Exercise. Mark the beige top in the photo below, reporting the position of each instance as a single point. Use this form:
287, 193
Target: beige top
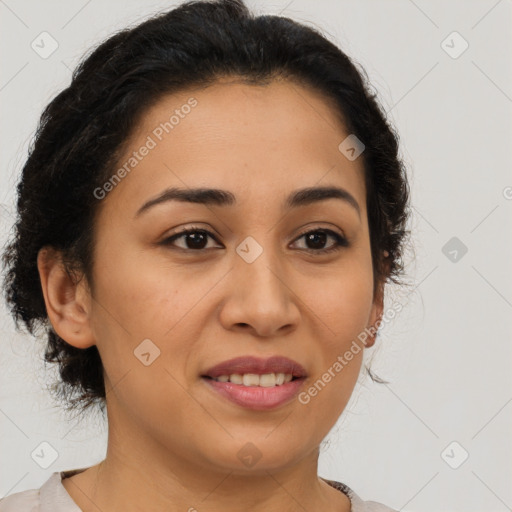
53, 497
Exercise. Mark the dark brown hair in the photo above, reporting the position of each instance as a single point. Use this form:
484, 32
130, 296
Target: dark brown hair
82, 130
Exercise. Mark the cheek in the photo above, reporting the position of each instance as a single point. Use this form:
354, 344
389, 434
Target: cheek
142, 298
342, 313
341, 306
145, 338
145, 295
340, 301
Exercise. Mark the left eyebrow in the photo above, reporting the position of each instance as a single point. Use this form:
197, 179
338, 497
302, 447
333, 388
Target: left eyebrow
218, 197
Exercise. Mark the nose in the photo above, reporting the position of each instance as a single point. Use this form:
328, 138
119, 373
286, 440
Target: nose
260, 298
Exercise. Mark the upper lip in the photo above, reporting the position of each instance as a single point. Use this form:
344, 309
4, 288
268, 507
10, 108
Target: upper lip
256, 365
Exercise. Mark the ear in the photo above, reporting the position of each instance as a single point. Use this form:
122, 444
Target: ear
67, 302
375, 319
377, 310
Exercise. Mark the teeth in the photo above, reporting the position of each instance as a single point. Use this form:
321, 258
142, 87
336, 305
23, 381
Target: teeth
236, 378
266, 380
250, 379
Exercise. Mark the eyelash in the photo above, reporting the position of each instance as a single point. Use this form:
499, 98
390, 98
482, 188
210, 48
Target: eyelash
341, 241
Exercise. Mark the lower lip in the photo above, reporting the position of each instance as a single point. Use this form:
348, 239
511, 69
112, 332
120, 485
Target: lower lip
256, 397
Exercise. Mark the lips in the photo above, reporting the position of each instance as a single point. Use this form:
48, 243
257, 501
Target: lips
258, 366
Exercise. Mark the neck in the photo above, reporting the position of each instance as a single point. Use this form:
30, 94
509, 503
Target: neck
139, 473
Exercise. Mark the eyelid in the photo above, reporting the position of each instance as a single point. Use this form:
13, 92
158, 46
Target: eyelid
308, 229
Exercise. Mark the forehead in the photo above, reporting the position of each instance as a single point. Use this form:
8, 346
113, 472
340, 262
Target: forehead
256, 140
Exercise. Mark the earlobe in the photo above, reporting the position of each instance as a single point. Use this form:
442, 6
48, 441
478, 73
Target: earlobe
67, 302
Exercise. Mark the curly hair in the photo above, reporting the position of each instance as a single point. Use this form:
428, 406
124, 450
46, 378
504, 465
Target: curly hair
83, 130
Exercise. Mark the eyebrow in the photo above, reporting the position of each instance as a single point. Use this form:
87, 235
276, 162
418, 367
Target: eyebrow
218, 197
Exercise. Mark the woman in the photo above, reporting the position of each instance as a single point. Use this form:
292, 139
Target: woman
206, 223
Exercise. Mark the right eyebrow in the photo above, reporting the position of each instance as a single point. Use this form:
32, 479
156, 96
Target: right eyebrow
195, 195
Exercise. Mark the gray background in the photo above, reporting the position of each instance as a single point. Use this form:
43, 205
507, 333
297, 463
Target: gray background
448, 353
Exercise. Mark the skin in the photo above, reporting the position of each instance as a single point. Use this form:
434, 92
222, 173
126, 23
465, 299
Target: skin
173, 442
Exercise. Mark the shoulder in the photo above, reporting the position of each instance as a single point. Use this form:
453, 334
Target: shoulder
26, 501
357, 504
50, 497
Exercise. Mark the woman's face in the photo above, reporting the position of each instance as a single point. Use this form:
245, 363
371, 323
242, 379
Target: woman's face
166, 310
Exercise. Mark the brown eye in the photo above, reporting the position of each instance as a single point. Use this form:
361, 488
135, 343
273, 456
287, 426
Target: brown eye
193, 239
316, 240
